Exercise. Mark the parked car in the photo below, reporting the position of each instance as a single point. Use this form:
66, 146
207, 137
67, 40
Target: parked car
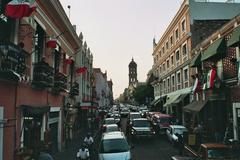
114, 145
111, 128
161, 122
141, 127
172, 132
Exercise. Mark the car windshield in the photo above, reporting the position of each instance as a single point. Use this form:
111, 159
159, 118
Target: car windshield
133, 116
141, 123
114, 146
179, 130
109, 121
112, 129
217, 153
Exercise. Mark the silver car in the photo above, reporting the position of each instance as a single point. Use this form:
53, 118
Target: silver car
141, 127
172, 132
114, 146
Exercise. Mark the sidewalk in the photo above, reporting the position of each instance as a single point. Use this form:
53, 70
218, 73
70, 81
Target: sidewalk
70, 152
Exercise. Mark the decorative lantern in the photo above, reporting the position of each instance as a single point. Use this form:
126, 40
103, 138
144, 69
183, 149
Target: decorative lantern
81, 70
52, 43
19, 9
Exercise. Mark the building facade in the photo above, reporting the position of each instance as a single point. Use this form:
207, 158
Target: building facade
103, 90
193, 22
40, 80
216, 93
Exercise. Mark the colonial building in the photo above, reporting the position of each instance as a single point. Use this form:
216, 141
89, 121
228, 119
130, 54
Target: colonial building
193, 22
102, 91
40, 61
216, 90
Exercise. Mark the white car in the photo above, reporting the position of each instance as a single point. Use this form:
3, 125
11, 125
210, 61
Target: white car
172, 132
111, 128
114, 146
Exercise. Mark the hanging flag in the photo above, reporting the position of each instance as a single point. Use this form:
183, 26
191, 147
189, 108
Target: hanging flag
52, 43
196, 86
211, 77
19, 9
81, 70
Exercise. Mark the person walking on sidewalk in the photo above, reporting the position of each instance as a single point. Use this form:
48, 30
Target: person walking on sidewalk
83, 153
88, 140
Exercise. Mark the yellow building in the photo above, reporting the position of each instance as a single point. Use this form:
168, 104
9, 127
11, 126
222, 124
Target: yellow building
193, 22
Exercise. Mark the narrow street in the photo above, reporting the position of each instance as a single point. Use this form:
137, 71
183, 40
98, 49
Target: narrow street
157, 148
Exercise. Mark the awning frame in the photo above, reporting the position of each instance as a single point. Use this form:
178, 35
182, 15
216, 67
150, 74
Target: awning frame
195, 106
217, 48
234, 40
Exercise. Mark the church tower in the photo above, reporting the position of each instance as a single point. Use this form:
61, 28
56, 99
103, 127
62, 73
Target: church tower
132, 73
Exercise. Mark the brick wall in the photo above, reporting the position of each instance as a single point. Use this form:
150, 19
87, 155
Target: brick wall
201, 29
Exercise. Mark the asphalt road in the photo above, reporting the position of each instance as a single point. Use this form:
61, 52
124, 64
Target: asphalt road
156, 148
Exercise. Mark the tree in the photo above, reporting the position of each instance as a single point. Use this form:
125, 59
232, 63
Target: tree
142, 93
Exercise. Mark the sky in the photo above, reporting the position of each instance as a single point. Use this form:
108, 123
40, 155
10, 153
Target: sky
118, 30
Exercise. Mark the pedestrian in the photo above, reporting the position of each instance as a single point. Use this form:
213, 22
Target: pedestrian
198, 131
44, 153
83, 153
88, 140
180, 144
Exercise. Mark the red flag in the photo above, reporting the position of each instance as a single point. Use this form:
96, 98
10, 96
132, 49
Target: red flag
81, 70
16, 9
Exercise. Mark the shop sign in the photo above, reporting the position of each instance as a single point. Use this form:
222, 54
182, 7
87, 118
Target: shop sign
191, 139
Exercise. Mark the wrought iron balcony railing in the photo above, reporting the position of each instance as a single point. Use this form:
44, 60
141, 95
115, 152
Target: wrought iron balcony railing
42, 75
74, 91
12, 60
60, 82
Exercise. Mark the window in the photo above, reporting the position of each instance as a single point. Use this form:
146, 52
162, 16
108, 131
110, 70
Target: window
160, 69
184, 49
173, 80
172, 60
185, 74
167, 64
171, 40
178, 77
160, 52
163, 50
167, 45
164, 67
176, 34
177, 56
57, 60
183, 25
168, 82
39, 44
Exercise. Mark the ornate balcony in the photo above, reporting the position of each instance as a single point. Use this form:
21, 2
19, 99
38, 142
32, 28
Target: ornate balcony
12, 61
74, 91
42, 75
60, 82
